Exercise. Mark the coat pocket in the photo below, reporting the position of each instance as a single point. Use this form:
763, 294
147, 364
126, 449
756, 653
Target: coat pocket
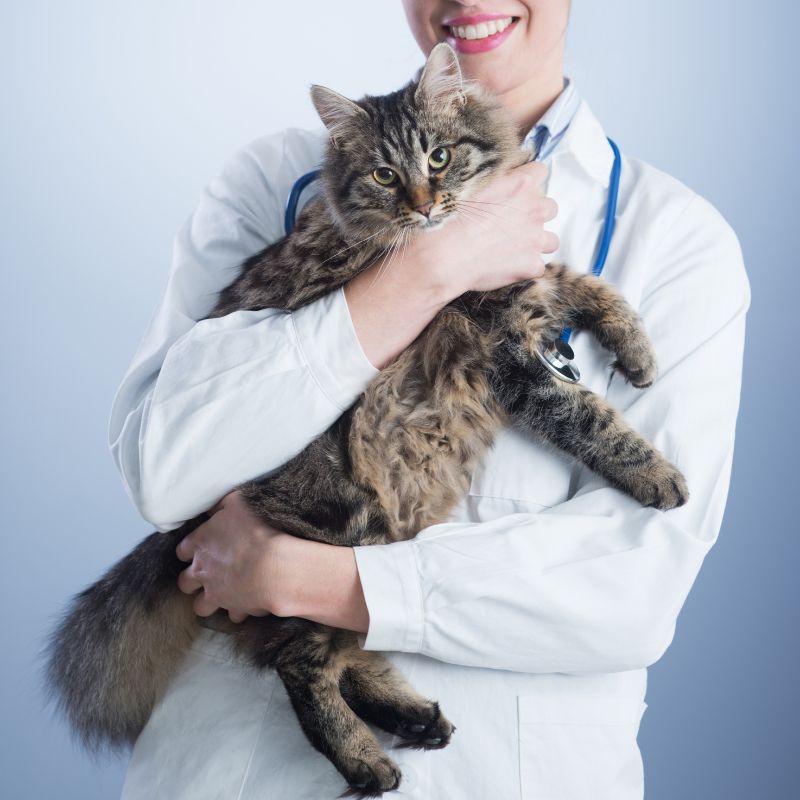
524, 469
580, 748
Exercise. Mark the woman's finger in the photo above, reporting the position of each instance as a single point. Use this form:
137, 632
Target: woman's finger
185, 548
550, 242
216, 507
204, 607
549, 209
188, 583
237, 616
220, 504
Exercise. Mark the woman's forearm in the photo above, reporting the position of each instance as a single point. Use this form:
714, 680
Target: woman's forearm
248, 567
323, 585
390, 304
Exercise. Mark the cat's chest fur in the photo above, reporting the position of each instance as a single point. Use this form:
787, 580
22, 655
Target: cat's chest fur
425, 421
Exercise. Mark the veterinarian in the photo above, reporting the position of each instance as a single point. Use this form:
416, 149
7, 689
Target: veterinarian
533, 614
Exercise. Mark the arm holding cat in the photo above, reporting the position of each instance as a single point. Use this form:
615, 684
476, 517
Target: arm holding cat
209, 404
596, 583
184, 425
593, 584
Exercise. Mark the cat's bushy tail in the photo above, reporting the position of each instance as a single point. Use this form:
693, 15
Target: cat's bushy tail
120, 642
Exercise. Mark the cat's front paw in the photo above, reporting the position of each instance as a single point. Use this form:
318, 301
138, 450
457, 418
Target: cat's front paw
662, 486
370, 775
637, 365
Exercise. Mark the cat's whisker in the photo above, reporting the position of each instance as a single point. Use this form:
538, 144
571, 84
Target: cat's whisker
470, 213
406, 239
388, 260
384, 251
401, 246
477, 206
381, 254
396, 255
356, 244
484, 203
406, 236
462, 205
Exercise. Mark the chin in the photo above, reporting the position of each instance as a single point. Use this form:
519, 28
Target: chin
433, 224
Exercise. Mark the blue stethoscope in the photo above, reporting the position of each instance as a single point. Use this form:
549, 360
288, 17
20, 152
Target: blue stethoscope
559, 356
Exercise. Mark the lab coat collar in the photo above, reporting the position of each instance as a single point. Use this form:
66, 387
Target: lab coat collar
585, 142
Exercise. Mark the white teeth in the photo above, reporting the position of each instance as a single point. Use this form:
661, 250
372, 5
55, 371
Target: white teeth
482, 29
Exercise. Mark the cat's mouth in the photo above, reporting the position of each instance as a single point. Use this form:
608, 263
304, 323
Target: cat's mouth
432, 224
425, 224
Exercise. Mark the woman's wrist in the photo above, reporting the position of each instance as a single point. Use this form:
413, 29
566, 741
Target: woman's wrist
392, 302
318, 582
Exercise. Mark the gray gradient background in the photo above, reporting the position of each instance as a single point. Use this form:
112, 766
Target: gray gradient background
115, 115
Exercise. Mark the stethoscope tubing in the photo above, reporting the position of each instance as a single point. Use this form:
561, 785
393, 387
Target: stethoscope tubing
610, 222
290, 214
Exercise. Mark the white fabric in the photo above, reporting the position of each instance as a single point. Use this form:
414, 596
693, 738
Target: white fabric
532, 614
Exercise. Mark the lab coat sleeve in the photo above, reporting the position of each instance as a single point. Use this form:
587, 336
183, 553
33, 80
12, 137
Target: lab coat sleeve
209, 404
594, 584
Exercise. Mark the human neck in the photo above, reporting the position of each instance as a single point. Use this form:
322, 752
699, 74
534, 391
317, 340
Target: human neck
528, 101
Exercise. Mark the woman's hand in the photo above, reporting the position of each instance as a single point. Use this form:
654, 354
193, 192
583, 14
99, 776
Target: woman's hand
241, 564
234, 556
497, 237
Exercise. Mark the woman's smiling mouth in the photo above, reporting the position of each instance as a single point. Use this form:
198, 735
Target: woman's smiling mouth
479, 33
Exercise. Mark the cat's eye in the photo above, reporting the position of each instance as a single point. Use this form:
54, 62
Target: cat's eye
385, 176
439, 158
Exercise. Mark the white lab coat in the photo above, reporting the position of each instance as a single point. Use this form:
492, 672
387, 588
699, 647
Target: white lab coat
532, 614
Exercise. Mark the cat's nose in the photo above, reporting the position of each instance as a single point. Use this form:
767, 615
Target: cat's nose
425, 208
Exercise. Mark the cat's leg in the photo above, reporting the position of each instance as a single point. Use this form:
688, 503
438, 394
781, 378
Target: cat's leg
334, 729
308, 663
585, 302
379, 693
583, 424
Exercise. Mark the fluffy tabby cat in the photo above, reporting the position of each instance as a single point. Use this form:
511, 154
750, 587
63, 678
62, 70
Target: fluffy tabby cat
399, 458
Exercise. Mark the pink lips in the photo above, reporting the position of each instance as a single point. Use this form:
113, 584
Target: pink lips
477, 45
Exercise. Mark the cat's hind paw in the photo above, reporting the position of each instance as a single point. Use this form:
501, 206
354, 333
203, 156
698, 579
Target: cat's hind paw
430, 730
369, 776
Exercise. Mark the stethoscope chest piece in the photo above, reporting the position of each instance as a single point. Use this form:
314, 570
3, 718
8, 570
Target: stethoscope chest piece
558, 357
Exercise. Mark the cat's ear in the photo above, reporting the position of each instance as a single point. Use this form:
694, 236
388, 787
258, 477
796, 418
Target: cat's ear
337, 112
441, 79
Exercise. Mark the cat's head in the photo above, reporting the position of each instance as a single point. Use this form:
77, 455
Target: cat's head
404, 161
